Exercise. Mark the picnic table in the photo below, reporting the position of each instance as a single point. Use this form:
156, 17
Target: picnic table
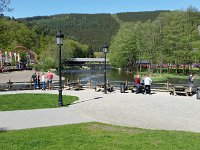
100, 87
181, 90
73, 86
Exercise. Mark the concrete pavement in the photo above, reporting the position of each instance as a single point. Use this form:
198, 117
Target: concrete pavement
156, 111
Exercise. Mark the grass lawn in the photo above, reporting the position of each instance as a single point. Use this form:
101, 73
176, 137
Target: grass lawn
32, 101
163, 77
97, 136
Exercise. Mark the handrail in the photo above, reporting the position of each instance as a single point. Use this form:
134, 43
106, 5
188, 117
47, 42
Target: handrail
29, 85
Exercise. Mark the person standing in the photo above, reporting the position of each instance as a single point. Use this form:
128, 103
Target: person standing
137, 83
34, 79
191, 82
50, 78
147, 84
38, 80
43, 82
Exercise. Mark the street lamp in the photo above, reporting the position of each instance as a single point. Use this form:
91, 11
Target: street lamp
59, 38
105, 50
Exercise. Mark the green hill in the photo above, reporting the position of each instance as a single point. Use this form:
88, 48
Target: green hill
139, 16
91, 29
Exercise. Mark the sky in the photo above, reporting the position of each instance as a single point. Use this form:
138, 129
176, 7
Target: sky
30, 8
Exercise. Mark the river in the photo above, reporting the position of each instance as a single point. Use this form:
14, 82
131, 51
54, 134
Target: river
96, 75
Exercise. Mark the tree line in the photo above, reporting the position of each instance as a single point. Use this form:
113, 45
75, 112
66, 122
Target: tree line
171, 39
160, 37
14, 33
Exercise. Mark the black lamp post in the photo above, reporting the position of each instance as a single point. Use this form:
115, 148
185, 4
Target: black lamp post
105, 50
59, 38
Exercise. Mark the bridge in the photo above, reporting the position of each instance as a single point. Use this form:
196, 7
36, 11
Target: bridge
84, 61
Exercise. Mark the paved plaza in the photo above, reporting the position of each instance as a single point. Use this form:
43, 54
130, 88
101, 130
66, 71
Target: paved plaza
157, 111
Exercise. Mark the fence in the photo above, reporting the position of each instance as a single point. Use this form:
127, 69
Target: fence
29, 85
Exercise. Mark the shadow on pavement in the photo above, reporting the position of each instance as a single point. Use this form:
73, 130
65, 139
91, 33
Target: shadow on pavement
86, 100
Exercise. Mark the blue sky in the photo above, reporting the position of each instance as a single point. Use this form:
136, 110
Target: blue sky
29, 8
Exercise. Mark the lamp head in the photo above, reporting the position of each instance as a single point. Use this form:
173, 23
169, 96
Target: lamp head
105, 48
59, 38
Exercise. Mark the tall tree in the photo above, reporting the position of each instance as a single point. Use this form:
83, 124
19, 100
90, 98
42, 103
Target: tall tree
4, 6
123, 52
172, 38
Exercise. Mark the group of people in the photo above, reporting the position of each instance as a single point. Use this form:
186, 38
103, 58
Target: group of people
46, 80
143, 86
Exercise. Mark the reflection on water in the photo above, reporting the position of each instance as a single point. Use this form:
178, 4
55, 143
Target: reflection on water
96, 75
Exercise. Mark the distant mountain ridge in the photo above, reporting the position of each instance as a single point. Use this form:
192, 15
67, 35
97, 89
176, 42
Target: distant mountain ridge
91, 29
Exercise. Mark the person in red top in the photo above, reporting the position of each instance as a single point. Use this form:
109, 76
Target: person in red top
137, 83
50, 78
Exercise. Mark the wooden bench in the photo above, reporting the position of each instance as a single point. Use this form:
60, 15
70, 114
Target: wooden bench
180, 90
100, 87
73, 86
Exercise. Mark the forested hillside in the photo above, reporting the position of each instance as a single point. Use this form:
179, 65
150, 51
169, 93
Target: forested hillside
139, 16
91, 29
170, 38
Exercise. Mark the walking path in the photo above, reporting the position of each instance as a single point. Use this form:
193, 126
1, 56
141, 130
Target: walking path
19, 76
156, 111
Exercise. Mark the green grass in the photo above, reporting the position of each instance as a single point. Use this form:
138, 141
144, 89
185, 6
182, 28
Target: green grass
97, 136
32, 101
163, 77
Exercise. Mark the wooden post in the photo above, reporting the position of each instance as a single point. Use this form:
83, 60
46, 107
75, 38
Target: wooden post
90, 84
126, 84
30, 84
167, 85
78, 81
9, 84
66, 85
67, 81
